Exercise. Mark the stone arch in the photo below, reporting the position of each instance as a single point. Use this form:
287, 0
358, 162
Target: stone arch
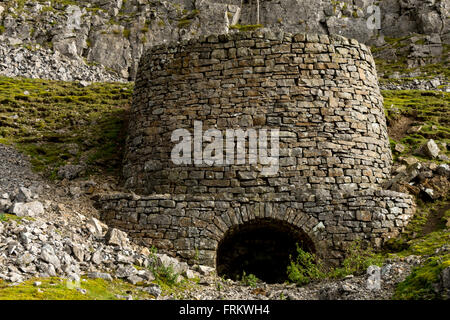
261, 246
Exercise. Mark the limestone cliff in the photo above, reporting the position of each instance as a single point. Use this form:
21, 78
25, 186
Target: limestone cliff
115, 33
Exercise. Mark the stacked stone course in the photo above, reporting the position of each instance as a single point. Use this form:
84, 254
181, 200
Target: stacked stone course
320, 91
192, 226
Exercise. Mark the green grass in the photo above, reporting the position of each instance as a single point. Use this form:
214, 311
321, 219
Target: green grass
419, 284
126, 33
184, 23
307, 267
304, 268
58, 289
5, 217
399, 63
41, 118
246, 27
431, 109
249, 280
424, 105
357, 259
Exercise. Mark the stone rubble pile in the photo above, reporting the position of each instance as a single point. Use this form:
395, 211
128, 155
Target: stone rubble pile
358, 287
42, 236
433, 84
426, 180
39, 247
18, 61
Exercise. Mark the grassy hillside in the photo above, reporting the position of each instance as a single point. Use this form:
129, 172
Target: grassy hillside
58, 123
392, 60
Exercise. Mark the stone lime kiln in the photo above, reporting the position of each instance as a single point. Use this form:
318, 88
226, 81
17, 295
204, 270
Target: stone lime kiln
320, 94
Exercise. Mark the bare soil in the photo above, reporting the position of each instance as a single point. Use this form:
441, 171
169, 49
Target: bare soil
399, 127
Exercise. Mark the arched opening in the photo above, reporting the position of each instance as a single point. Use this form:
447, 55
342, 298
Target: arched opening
261, 247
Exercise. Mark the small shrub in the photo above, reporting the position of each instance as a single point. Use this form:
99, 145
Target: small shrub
249, 280
305, 268
396, 245
357, 260
164, 276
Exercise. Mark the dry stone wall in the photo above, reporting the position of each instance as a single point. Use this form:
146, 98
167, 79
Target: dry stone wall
192, 226
319, 91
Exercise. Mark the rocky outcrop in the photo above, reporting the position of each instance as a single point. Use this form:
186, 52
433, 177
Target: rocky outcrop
41, 63
111, 33
116, 33
426, 180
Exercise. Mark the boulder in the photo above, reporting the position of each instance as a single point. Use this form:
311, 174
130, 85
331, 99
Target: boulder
189, 274
429, 149
399, 148
154, 290
134, 279
205, 270
166, 261
445, 276
147, 275
116, 237
5, 204
48, 255
99, 275
125, 271
78, 252
31, 209
25, 259
404, 176
97, 257
24, 195
96, 227
430, 22
70, 171
443, 170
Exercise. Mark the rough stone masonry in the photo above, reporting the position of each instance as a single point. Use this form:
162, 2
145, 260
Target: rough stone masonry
320, 91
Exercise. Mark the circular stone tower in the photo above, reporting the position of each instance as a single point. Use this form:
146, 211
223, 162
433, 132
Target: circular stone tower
319, 92
240, 146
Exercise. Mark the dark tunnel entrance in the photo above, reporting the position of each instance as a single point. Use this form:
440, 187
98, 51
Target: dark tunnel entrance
262, 248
